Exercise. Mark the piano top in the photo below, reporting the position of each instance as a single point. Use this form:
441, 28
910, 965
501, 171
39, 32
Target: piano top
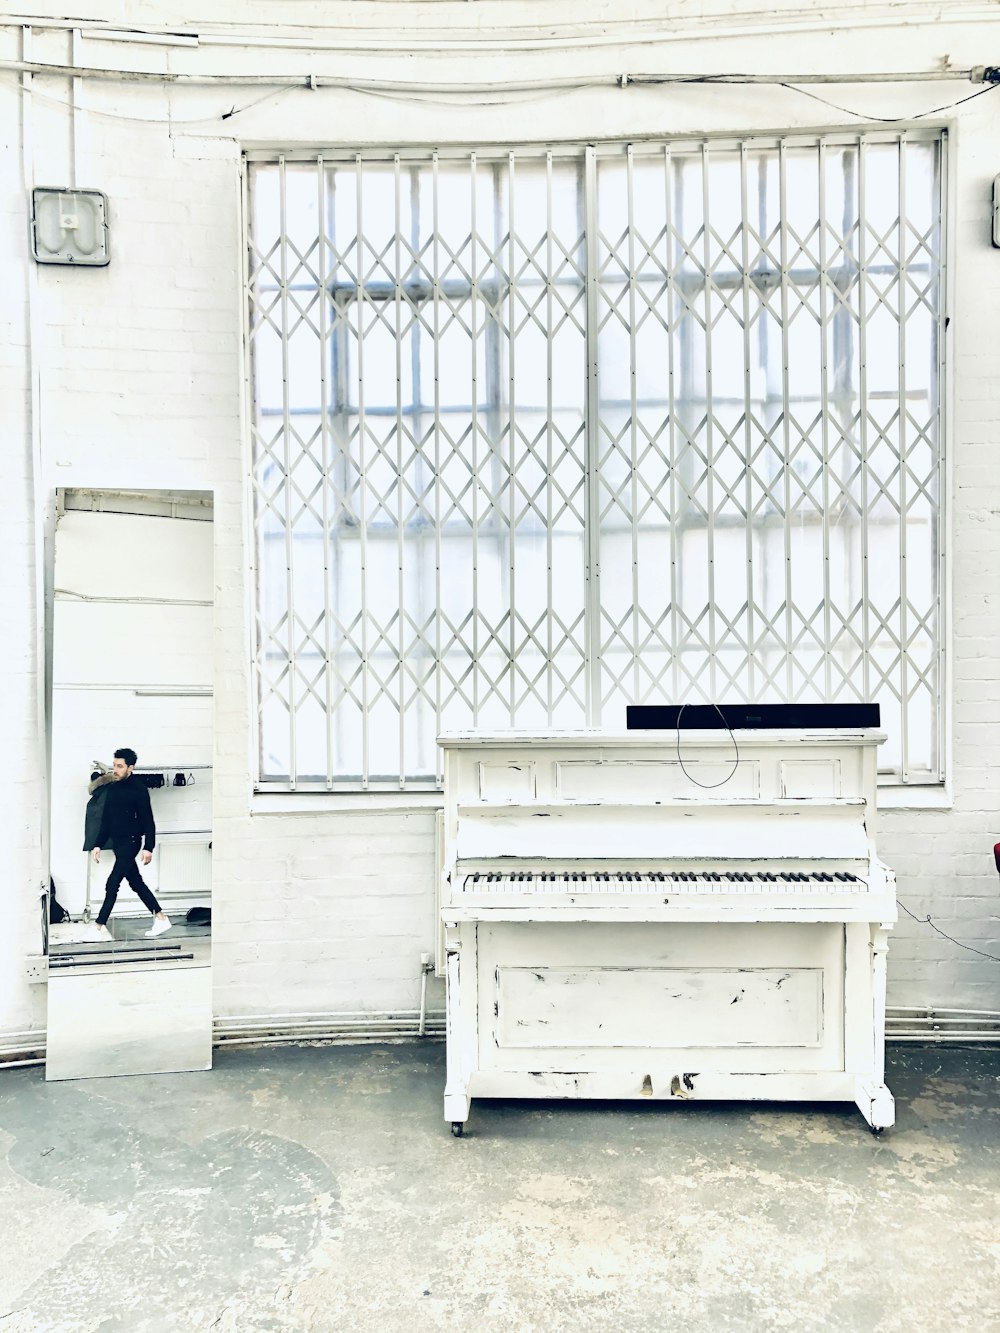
716, 737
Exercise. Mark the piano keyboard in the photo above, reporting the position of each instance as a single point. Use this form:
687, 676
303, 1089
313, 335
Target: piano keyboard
655, 881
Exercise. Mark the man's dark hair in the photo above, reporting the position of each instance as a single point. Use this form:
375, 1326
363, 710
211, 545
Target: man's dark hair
128, 755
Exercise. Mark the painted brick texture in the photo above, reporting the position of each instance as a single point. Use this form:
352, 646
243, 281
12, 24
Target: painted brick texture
139, 373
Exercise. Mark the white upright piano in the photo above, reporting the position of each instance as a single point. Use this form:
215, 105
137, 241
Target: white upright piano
644, 916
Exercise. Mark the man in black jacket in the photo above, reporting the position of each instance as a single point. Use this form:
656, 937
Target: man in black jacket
127, 825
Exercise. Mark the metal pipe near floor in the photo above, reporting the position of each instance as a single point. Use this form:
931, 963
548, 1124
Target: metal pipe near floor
278, 1029
426, 964
930, 1024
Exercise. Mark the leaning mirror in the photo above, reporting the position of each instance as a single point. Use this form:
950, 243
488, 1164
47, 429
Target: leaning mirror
129, 956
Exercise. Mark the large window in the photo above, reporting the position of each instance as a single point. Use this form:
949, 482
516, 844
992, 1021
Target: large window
542, 433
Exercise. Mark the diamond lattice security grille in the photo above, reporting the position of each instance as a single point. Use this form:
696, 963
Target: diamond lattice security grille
537, 435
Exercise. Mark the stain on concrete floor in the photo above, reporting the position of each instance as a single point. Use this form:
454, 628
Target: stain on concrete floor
314, 1189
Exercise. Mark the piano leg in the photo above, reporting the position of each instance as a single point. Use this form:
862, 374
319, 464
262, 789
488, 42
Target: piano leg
456, 1091
876, 1104
872, 1098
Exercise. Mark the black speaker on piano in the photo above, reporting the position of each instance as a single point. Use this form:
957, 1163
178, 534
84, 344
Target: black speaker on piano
741, 717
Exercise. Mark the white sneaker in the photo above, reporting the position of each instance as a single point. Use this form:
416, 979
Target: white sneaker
97, 932
160, 925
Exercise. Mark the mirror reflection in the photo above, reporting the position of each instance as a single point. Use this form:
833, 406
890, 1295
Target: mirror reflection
131, 827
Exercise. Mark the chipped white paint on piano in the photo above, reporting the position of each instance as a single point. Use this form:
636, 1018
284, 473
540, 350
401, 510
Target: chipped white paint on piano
612, 929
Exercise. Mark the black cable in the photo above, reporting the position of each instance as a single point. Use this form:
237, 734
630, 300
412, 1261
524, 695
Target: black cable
925, 920
886, 120
736, 762
168, 122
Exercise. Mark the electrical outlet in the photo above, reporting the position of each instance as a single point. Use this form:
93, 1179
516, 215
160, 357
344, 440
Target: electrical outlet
37, 967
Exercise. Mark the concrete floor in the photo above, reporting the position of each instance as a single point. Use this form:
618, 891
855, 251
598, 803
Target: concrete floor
319, 1189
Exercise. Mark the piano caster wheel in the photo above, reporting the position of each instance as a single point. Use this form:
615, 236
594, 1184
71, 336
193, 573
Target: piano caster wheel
456, 1128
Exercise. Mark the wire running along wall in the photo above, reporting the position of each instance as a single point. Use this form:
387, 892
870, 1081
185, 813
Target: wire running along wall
538, 434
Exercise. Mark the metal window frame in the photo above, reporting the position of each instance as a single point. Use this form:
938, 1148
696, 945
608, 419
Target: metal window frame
591, 156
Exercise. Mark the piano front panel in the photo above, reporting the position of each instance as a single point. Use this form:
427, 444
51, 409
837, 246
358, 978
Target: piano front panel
613, 780
799, 778
507, 780
738, 998
584, 767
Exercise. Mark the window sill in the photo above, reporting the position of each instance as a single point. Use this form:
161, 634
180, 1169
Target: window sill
336, 802
895, 797
403, 803
899, 797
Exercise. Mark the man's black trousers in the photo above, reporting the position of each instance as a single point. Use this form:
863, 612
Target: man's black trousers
125, 867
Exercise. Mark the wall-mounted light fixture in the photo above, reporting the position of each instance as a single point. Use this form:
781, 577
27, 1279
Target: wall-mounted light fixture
69, 227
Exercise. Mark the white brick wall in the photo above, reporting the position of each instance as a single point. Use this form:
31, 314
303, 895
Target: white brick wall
139, 368
20, 1006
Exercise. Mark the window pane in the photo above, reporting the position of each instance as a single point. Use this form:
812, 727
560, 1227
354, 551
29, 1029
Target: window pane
733, 422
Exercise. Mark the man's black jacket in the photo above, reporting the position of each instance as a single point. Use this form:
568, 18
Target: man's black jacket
127, 813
